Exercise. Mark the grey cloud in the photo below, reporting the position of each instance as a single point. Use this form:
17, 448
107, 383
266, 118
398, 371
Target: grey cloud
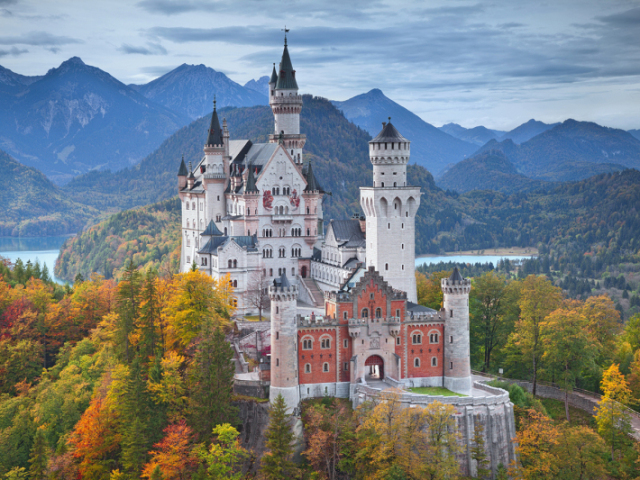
158, 70
174, 7
5, 3
37, 39
628, 18
13, 52
150, 49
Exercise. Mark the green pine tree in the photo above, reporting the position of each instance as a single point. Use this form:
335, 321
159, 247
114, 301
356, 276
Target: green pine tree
149, 318
276, 462
45, 274
135, 446
478, 452
39, 457
156, 474
211, 382
502, 473
128, 303
37, 272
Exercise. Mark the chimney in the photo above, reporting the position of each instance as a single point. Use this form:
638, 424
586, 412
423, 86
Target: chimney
363, 224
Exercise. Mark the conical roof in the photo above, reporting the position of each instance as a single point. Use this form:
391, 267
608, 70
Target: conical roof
211, 230
274, 75
215, 132
183, 172
284, 281
287, 75
191, 175
312, 184
455, 276
389, 133
250, 187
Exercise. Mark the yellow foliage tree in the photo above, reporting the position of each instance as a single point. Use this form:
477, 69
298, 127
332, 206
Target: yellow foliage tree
611, 416
429, 289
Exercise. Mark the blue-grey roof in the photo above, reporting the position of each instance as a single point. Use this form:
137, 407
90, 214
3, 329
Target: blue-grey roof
211, 247
388, 134
455, 275
416, 308
287, 75
211, 230
274, 75
351, 263
182, 172
347, 230
214, 136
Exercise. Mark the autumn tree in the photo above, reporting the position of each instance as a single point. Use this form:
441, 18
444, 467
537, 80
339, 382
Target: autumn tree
39, 457
173, 455
538, 298
604, 325
430, 290
276, 463
257, 293
478, 452
169, 389
224, 456
612, 417
569, 347
537, 439
211, 381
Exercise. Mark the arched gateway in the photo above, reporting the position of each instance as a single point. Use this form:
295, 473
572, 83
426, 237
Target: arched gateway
374, 368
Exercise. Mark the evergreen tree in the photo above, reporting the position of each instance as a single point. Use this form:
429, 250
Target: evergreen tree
211, 379
156, 474
502, 474
149, 318
478, 452
128, 301
276, 462
38, 459
37, 272
78, 279
45, 274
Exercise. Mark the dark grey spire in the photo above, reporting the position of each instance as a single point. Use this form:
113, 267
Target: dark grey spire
455, 276
312, 183
183, 169
274, 75
191, 175
389, 133
284, 281
287, 75
211, 230
251, 182
215, 132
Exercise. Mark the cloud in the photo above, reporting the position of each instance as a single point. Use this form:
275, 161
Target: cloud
150, 49
622, 19
5, 3
174, 7
37, 39
13, 51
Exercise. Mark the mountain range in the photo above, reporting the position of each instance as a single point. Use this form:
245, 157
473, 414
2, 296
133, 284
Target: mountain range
430, 147
189, 90
477, 135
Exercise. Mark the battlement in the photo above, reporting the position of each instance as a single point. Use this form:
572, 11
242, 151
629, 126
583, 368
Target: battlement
455, 287
315, 321
277, 293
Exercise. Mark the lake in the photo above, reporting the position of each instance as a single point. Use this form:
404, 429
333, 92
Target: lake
44, 249
468, 259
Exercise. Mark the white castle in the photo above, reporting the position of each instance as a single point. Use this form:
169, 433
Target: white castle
254, 211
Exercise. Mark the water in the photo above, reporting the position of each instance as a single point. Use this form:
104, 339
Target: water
44, 249
472, 259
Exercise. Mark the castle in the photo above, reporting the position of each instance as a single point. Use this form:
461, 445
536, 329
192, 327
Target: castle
254, 212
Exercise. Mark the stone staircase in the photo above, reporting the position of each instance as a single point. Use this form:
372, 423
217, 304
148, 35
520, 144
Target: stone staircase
314, 291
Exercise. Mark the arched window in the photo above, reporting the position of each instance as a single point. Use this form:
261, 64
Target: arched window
307, 210
434, 362
307, 343
365, 313
416, 362
386, 266
378, 312
416, 338
235, 264
325, 342
344, 315
193, 205
433, 337
307, 368
230, 263
235, 284
325, 367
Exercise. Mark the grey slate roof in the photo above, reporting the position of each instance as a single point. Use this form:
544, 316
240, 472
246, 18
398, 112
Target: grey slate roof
284, 281
215, 132
455, 275
347, 230
211, 230
351, 263
415, 308
211, 247
182, 172
312, 183
287, 75
250, 187
274, 75
388, 134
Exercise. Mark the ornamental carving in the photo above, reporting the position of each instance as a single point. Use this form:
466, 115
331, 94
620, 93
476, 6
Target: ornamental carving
294, 199
267, 200
374, 343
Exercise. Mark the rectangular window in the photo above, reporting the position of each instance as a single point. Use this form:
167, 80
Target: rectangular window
397, 340
451, 366
398, 313
346, 366
346, 343
277, 335
450, 338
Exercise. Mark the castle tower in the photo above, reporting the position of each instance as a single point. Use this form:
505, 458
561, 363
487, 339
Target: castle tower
390, 207
216, 169
286, 105
284, 338
182, 175
457, 369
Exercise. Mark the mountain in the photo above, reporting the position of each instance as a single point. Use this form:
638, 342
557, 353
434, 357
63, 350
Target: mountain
11, 82
477, 135
430, 147
635, 133
189, 90
571, 151
30, 205
526, 131
261, 85
490, 170
77, 118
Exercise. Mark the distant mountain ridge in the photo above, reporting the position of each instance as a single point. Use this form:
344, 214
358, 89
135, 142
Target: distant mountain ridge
190, 89
261, 85
77, 118
635, 133
430, 147
477, 135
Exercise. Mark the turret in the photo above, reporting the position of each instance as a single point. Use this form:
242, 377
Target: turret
216, 151
182, 175
191, 178
390, 207
457, 369
284, 337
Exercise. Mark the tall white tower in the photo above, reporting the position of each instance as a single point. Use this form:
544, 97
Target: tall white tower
286, 105
390, 207
216, 164
457, 369
284, 340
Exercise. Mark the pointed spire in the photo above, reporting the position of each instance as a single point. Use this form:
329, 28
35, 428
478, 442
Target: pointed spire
211, 230
182, 172
191, 175
215, 133
251, 183
312, 183
284, 281
287, 75
455, 275
274, 75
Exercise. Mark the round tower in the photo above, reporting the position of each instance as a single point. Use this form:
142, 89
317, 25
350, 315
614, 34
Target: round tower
216, 166
286, 105
284, 338
457, 367
390, 207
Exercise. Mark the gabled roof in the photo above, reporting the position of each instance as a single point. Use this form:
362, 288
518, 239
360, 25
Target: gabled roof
215, 132
346, 230
211, 247
416, 308
211, 230
274, 75
182, 172
388, 134
287, 75
215, 242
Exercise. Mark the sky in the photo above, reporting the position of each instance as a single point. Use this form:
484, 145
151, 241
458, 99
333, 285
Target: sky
494, 63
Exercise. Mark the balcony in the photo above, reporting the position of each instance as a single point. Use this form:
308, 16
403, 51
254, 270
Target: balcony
282, 217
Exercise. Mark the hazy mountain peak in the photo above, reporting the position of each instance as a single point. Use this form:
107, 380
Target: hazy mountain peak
261, 85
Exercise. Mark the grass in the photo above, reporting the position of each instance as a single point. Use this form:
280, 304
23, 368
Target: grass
443, 392
555, 409
254, 318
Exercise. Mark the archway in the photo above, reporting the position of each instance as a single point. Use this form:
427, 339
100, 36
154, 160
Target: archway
303, 271
374, 368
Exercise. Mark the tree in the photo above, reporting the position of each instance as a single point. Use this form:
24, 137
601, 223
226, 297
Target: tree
429, 289
39, 457
211, 381
149, 343
603, 323
611, 416
478, 452
170, 390
579, 454
276, 462
174, 454
128, 303
538, 298
257, 293
224, 455
536, 440
569, 347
